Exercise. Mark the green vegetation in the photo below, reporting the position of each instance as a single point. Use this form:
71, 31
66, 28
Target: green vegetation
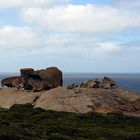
23, 122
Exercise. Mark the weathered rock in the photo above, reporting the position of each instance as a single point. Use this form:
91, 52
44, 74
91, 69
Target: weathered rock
25, 74
41, 79
106, 109
90, 84
52, 77
12, 81
86, 100
9, 97
63, 99
36, 83
72, 86
136, 105
108, 83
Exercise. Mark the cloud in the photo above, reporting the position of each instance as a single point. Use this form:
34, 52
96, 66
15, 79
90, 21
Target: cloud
82, 18
23, 39
18, 37
24, 47
131, 4
75, 37
30, 3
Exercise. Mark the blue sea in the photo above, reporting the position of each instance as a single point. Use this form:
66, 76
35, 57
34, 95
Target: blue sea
126, 81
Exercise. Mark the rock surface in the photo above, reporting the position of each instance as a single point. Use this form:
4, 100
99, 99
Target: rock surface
79, 100
41, 79
12, 82
105, 83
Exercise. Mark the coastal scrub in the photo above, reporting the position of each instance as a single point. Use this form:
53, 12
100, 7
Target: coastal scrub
23, 122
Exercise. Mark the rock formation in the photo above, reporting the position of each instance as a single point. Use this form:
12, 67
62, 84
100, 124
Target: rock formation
91, 84
91, 96
115, 100
12, 82
35, 80
72, 86
106, 83
25, 74
41, 79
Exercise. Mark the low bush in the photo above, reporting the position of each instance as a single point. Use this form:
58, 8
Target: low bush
23, 122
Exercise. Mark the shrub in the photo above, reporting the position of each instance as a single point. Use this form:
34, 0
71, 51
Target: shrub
23, 122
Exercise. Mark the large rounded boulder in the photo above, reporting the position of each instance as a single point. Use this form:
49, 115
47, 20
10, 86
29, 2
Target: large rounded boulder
41, 79
12, 82
51, 76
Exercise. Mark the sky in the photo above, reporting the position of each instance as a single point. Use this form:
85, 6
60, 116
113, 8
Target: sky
99, 36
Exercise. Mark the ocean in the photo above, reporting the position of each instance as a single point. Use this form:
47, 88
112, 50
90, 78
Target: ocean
126, 81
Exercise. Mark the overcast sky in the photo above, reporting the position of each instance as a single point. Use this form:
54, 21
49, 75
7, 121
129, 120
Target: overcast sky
74, 35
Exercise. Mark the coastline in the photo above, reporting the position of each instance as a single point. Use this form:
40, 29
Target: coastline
128, 81
78, 100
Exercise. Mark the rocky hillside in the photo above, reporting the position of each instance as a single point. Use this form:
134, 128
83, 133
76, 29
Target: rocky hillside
77, 99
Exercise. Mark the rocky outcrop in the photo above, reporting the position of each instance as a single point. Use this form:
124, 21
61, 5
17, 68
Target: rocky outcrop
51, 76
72, 86
41, 79
106, 83
91, 84
101, 96
25, 74
12, 82
85, 100
35, 80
